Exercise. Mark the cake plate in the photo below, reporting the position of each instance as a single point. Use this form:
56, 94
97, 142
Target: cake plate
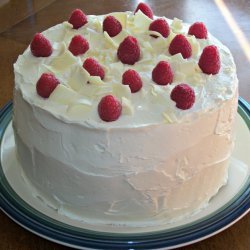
227, 207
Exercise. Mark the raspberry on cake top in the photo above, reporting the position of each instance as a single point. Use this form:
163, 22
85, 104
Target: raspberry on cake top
133, 69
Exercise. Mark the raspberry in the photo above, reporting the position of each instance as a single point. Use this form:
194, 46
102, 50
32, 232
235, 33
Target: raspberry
129, 51
210, 60
40, 46
112, 26
199, 30
160, 25
46, 84
180, 44
183, 95
93, 67
78, 45
77, 18
109, 108
162, 74
132, 79
145, 9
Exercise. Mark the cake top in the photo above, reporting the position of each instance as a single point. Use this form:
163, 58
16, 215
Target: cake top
126, 69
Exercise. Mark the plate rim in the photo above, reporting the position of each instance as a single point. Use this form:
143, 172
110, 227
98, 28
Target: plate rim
36, 223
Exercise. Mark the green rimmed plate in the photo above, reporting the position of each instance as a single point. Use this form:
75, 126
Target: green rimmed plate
231, 204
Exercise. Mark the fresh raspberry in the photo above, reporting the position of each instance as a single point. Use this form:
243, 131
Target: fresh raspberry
132, 79
180, 44
198, 30
163, 74
112, 26
109, 108
145, 9
40, 46
183, 95
210, 60
78, 45
160, 25
93, 67
46, 84
129, 51
77, 18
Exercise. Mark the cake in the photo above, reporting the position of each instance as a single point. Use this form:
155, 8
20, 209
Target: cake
125, 119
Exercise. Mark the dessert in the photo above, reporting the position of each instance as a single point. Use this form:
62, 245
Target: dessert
125, 119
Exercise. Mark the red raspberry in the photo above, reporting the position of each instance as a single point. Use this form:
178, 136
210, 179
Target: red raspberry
78, 45
199, 30
129, 51
46, 84
93, 67
210, 60
77, 18
109, 108
180, 44
112, 26
183, 95
145, 9
132, 79
40, 46
160, 25
162, 74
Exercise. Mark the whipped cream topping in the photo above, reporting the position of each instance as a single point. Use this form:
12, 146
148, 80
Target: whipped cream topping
75, 100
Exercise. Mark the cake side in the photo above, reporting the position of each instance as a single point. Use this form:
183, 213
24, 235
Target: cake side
124, 177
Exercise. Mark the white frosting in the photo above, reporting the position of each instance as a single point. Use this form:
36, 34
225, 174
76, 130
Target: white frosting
152, 104
152, 165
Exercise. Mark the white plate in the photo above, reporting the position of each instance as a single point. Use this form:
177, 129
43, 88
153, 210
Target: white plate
228, 206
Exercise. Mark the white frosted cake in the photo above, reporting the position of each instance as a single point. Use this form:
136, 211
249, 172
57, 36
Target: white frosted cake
126, 118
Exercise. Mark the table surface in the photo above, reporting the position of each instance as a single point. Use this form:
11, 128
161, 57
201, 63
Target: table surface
19, 20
